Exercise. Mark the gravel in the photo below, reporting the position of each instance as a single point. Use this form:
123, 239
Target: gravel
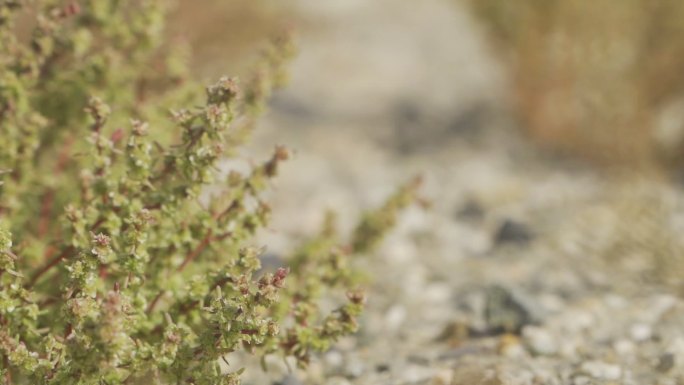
447, 303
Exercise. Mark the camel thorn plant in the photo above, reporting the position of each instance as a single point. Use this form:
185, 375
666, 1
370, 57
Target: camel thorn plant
113, 268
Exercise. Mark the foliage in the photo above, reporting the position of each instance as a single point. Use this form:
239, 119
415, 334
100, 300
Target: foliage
114, 267
600, 79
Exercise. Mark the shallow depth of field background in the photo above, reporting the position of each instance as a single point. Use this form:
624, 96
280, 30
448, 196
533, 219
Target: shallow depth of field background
575, 105
550, 135
489, 99
595, 80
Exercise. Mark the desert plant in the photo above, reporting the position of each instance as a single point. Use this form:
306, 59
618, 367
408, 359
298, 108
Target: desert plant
595, 78
115, 268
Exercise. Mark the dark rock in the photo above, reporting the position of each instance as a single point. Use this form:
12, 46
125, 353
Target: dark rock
513, 232
381, 368
471, 121
665, 363
504, 313
408, 119
470, 211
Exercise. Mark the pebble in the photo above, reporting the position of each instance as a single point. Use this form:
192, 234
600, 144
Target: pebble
601, 370
475, 374
578, 320
665, 363
334, 359
641, 332
417, 373
470, 211
438, 292
512, 232
504, 313
354, 367
581, 380
394, 317
539, 340
510, 346
624, 347
442, 377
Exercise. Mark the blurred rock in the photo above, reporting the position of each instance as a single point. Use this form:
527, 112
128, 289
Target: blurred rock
641, 332
504, 313
475, 374
666, 362
601, 370
513, 232
471, 210
539, 340
454, 333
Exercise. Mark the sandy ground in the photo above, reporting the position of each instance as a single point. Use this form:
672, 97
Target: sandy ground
525, 270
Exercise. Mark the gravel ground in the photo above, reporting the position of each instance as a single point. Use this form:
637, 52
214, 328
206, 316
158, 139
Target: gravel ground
525, 270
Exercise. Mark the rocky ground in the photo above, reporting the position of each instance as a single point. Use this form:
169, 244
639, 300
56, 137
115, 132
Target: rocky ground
525, 270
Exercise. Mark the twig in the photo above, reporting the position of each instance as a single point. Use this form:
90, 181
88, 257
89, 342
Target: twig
152, 304
49, 198
197, 251
8, 373
53, 262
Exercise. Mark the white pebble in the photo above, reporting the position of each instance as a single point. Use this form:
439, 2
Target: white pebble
539, 340
641, 332
602, 370
394, 317
624, 347
442, 377
333, 359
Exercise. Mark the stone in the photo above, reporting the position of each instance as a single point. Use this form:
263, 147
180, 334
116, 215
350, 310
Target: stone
354, 367
665, 363
442, 377
512, 232
539, 340
475, 374
333, 359
601, 370
504, 313
640, 332
470, 211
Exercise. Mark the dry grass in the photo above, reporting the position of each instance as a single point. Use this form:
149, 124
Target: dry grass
592, 77
224, 34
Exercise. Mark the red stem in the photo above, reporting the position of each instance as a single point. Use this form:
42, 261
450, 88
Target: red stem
53, 262
45, 221
200, 247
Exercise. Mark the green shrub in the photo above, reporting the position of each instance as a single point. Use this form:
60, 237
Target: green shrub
114, 267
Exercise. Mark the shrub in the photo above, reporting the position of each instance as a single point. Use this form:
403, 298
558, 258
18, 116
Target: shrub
595, 78
114, 267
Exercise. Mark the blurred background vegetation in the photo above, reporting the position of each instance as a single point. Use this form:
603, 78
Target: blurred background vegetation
600, 79
225, 35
